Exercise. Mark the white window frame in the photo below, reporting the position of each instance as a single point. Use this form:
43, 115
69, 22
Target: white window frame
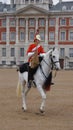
71, 21
12, 52
70, 52
12, 22
62, 31
51, 36
62, 52
31, 38
3, 36
22, 22
41, 22
3, 22
22, 32
71, 31
3, 52
42, 34
61, 22
12, 38
31, 22
51, 22
21, 52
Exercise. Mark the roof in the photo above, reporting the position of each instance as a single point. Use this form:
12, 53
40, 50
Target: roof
59, 6
6, 7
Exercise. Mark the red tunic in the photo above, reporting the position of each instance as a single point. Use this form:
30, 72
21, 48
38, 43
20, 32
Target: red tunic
32, 48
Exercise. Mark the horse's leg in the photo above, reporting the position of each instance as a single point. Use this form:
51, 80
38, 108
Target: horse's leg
43, 94
24, 107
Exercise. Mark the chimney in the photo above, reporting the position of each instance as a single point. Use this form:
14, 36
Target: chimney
60, 1
12, 3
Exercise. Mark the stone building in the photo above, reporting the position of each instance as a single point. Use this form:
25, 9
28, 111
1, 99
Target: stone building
19, 21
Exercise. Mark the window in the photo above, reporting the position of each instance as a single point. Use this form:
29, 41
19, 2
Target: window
71, 22
22, 35
21, 52
37, 1
70, 52
26, 1
62, 22
22, 22
4, 52
64, 8
62, 52
31, 35
42, 22
51, 36
52, 22
42, 35
72, 8
3, 36
71, 35
4, 22
32, 22
71, 64
63, 35
12, 22
31, 1
3, 62
12, 52
12, 36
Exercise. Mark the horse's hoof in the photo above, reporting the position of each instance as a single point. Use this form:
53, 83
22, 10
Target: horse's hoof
42, 111
24, 110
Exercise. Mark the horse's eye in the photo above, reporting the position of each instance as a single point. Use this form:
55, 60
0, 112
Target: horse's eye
53, 57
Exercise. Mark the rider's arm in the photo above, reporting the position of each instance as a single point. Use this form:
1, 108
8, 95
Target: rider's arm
30, 54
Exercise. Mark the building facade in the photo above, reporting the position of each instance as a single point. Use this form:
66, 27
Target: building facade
19, 22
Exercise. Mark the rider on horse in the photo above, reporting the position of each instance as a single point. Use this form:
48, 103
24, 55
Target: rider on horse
33, 52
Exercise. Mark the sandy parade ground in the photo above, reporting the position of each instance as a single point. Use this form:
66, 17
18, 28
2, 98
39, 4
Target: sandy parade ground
59, 104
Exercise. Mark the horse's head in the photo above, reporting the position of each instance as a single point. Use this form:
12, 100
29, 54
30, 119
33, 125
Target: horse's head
55, 58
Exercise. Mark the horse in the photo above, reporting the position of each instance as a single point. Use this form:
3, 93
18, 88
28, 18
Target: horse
51, 58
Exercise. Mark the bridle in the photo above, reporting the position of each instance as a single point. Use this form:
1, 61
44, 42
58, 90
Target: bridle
52, 62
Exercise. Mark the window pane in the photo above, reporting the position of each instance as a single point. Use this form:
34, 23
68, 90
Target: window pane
12, 52
4, 22
22, 22
63, 36
51, 22
31, 22
42, 35
71, 36
12, 36
62, 22
3, 36
71, 52
22, 36
22, 52
62, 52
31, 35
4, 52
71, 21
12, 22
3, 62
51, 36
41, 22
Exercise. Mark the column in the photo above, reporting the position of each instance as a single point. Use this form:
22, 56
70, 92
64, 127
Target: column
17, 43
46, 34
56, 32
26, 30
36, 23
7, 44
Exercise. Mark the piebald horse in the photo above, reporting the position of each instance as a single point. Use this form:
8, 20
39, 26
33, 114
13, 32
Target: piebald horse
44, 69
